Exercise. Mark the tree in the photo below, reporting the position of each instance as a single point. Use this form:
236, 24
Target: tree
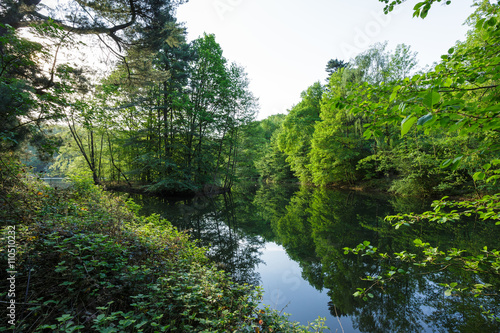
174, 60
402, 63
461, 94
334, 65
173, 117
295, 138
271, 164
338, 144
119, 20
17, 59
126, 22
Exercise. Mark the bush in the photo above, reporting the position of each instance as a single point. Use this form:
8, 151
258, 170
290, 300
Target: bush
87, 262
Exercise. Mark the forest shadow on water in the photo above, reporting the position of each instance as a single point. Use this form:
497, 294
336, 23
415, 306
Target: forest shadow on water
291, 241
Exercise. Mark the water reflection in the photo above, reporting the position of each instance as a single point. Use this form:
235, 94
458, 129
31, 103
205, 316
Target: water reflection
313, 226
214, 224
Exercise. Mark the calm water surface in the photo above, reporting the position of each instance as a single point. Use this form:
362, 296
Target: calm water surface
290, 241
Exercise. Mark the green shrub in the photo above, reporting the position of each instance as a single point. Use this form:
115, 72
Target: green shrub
87, 262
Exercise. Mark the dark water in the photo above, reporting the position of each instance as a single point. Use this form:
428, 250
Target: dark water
290, 241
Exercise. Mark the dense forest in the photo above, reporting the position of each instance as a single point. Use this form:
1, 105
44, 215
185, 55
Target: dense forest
167, 116
174, 116
379, 123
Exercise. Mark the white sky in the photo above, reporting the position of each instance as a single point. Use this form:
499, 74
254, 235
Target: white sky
284, 45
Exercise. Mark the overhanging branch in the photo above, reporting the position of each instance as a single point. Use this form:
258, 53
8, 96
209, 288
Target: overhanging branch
92, 30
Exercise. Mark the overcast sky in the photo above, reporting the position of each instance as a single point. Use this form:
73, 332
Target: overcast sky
284, 45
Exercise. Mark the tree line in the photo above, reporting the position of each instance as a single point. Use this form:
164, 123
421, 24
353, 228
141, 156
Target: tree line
175, 127
167, 115
380, 121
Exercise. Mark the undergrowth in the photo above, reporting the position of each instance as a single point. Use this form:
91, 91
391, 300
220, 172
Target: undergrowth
87, 262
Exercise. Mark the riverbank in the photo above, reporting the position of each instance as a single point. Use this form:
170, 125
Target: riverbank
145, 189
87, 262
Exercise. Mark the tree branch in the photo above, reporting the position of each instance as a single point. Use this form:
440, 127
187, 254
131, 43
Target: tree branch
468, 89
95, 30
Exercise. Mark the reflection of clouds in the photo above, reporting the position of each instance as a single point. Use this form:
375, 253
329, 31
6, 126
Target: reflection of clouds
290, 282
292, 278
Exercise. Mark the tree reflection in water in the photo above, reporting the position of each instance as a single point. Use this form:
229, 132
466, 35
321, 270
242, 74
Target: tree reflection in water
212, 222
314, 225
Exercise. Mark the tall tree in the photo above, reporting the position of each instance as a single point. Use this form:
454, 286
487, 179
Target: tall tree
334, 65
124, 23
298, 128
338, 143
17, 60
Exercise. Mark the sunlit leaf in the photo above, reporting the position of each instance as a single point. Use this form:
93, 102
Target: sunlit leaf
456, 163
407, 123
422, 120
479, 176
394, 93
431, 98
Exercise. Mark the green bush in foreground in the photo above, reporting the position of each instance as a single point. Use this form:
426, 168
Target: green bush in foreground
88, 263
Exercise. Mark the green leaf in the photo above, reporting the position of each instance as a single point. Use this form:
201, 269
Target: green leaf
447, 292
444, 121
418, 5
394, 93
431, 99
422, 120
456, 163
446, 163
67, 283
141, 324
425, 11
407, 123
491, 22
479, 176
64, 317
480, 23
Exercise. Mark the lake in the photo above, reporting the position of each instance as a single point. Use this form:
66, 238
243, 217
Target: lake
290, 241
